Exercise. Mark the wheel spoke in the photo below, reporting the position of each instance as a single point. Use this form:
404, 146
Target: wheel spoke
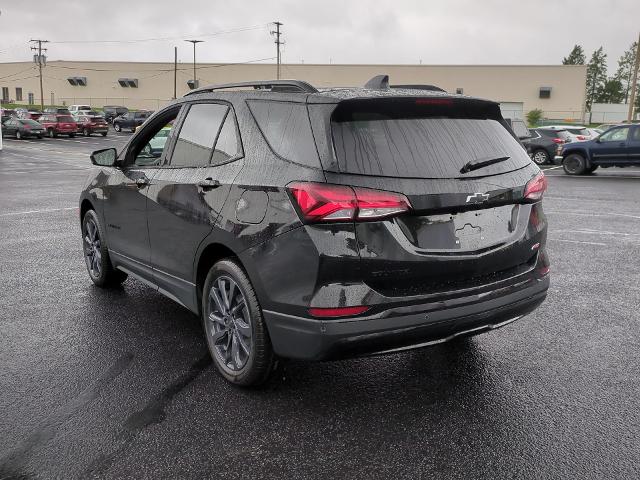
216, 319
243, 345
219, 337
91, 229
229, 296
235, 353
243, 327
223, 294
238, 306
218, 301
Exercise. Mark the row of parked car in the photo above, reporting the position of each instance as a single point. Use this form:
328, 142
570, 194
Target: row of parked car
77, 119
581, 150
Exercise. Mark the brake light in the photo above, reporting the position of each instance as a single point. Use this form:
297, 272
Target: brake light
434, 101
557, 140
322, 202
337, 312
536, 187
581, 137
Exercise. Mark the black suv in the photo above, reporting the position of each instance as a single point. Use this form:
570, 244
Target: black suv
130, 120
113, 111
316, 224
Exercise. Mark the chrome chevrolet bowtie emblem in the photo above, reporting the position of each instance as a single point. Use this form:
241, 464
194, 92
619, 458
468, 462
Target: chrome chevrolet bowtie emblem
478, 198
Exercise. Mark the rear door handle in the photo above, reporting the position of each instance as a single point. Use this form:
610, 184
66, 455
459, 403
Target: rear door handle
208, 183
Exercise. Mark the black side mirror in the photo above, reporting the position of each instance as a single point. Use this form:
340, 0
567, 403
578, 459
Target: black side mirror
104, 158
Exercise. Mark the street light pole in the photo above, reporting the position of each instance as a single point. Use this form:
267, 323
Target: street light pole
195, 81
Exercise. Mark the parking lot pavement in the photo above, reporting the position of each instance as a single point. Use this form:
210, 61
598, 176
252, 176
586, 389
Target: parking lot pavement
118, 384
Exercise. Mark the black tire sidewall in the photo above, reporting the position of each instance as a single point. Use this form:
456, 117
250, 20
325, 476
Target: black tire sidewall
108, 275
260, 361
116, 127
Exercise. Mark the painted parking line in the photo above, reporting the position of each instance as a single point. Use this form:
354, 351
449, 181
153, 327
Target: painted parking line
578, 241
30, 212
582, 214
598, 232
551, 168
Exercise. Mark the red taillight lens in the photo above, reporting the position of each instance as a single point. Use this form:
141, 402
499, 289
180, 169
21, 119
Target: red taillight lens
337, 312
321, 202
581, 137
27, 127
536, 187
557, 140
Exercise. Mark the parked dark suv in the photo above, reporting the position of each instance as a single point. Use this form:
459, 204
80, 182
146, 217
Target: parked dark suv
130, 120
113, 111
316, 224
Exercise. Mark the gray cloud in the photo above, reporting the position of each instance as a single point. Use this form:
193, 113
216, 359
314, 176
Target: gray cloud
345, 31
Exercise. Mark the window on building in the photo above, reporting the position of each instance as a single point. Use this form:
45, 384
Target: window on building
5, 94
18, 94
459, 91
31, 99
545, 92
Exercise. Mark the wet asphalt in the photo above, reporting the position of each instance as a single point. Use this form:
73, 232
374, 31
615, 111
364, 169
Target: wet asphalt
118, 384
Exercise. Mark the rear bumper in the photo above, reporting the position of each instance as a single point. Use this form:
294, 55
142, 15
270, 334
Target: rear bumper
311, 339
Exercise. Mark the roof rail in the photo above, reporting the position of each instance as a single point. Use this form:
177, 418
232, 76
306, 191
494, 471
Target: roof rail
292, 86
432, 88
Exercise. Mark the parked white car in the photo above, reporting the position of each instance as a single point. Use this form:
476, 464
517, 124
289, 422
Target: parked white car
76, 108
578, 133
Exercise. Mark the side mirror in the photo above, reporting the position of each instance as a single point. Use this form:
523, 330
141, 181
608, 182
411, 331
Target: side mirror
104, 158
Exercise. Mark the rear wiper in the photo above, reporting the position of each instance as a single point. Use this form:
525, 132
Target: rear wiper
481, 163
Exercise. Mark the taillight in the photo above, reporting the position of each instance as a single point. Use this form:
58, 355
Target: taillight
323, 202
338, 311
26, 127
557, 140
581, 137
536, 187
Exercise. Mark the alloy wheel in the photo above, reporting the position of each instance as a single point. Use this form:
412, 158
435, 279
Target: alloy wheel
228, 323
92, 253
540, 157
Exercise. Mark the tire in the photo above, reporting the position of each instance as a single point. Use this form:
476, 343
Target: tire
96, 254
72, 135
574, 164
116, 127
39, 136
86, 132
230, 333
51, 133
18, 135
592, 169
104, 134
540, 157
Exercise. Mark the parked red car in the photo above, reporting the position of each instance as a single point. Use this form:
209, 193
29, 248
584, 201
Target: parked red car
59, 125
92, 124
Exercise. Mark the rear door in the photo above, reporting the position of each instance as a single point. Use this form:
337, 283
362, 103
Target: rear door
189, 191
465, 224
612, 147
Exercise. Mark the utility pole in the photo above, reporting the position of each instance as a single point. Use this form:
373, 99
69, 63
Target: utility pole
40, 60
195, 80
634, 84
175, 72
278, 42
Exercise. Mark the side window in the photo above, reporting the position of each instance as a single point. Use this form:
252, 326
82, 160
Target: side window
227, 145
635, 135
198, 134
154, 139
615, 135
287, 130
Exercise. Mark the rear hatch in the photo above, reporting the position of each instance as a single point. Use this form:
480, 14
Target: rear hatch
66, 122
464, 174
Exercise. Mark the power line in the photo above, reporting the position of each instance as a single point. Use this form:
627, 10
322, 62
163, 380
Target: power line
158, 39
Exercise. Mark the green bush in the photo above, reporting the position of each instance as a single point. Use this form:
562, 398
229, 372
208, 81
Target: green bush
534, 117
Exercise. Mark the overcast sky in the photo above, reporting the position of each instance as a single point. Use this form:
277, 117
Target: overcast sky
340, 31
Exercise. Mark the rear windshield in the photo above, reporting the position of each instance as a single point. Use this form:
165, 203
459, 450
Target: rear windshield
579, 131
29, 122
432, 143
66, 118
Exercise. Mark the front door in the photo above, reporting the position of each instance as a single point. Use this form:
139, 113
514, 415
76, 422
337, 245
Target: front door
634, 145
611, 147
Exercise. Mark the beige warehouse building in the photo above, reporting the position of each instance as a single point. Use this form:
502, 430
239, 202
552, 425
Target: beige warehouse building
557, 90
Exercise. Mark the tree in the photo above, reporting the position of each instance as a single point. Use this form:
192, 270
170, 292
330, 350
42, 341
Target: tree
624, 73
534, 117
612, 92
596, 76
576, 57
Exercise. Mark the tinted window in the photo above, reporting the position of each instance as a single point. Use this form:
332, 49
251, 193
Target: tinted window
287, 130
615, 135
65, 119
197, 135
520, 129
635, 134
433, 147
227, 143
